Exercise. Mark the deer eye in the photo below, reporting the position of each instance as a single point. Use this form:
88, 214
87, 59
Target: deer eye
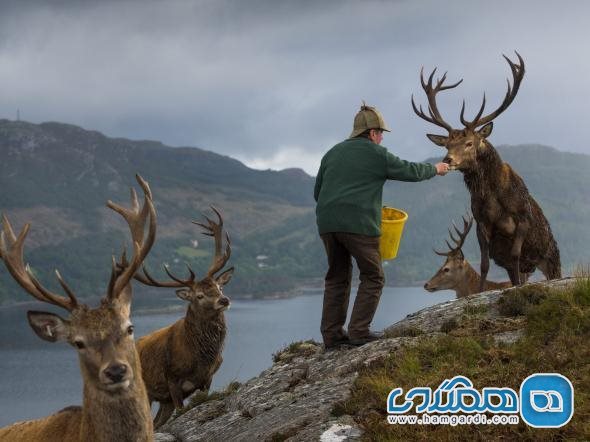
469, 144
79, 344
446, 270
130, 330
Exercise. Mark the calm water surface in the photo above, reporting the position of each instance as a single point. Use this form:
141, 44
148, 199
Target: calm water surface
38, 378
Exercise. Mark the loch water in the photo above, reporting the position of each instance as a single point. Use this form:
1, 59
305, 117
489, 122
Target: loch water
38, 378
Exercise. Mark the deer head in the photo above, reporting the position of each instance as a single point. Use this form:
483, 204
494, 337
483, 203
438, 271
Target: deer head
205, 295
464, 145
102, 336
454, 271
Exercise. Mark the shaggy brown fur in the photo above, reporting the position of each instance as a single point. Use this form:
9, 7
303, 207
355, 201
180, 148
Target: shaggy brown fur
456, 273
182, 358
115, 402
511, 227
462, 278
106, 416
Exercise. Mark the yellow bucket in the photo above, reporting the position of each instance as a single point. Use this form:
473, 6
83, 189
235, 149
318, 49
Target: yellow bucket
392, 226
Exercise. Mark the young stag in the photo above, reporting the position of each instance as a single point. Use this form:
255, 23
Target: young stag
115, 403
183, 357
511, 227
456, 273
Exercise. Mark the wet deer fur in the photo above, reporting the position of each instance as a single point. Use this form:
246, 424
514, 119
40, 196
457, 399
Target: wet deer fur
457, 273
511, 226
115, 403
183, 357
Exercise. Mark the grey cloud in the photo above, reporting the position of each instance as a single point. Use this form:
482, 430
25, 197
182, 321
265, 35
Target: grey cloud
245, 78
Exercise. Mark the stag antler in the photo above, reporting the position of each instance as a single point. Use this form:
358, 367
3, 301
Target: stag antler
512, 90
11, 252
147, 279
136, 219
431, 92
215, 230
219, 260
467, 223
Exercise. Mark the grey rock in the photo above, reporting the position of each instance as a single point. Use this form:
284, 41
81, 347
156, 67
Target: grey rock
161, 437
294, 400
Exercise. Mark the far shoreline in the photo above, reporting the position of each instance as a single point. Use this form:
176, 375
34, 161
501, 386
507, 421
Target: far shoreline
171, 307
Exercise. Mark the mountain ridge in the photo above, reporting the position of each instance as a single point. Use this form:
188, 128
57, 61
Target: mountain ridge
59, 176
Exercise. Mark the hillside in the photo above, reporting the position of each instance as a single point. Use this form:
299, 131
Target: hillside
59, 176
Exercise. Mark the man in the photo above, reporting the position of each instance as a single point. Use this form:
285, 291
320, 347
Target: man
348, 191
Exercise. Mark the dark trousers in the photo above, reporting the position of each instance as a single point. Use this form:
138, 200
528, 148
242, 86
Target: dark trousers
341, 248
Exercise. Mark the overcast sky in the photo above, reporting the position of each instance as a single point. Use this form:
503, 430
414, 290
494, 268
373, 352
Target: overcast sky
276, 83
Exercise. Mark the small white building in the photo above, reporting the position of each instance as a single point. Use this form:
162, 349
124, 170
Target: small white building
260, 259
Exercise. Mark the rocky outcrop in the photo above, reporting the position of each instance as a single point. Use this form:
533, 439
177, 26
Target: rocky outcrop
295, 398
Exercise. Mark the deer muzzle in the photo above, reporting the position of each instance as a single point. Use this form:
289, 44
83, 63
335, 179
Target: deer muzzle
428, 287
116, 375
223, 303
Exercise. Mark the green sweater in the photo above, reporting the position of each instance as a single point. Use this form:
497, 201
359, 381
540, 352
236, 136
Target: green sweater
349, 185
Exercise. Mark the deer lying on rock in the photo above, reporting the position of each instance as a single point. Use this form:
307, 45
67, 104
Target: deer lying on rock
115, 402
183, 357
456, 273
511, 227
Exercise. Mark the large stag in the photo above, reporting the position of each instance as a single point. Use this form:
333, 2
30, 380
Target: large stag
456, 273
183, 357
115, 402
511, 227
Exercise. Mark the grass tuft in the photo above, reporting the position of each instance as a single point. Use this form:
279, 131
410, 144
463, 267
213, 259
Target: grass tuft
475, 309
449, 325
404, 331
295, 349
517, 302
201, 397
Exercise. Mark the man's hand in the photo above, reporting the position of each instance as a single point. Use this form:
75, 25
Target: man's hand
442, 168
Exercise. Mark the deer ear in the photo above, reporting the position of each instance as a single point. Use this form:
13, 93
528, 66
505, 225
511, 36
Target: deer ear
439, 140
48, 326
184, 294
485, 131
225, 277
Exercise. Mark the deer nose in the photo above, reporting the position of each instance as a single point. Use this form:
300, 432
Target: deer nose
447, 160
426, 286
116, 372
224, 300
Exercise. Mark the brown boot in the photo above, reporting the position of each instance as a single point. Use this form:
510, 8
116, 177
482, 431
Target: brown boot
372, 336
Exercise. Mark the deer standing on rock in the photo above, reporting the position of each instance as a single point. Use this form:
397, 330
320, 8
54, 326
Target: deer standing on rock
115, 402
511, 227
456, 273
183, 357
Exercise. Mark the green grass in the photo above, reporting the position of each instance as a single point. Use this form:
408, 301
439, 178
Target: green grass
475, 309
299, 348
517, 302
449, 325
556, 339
405, 331
191, 252
201, 397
